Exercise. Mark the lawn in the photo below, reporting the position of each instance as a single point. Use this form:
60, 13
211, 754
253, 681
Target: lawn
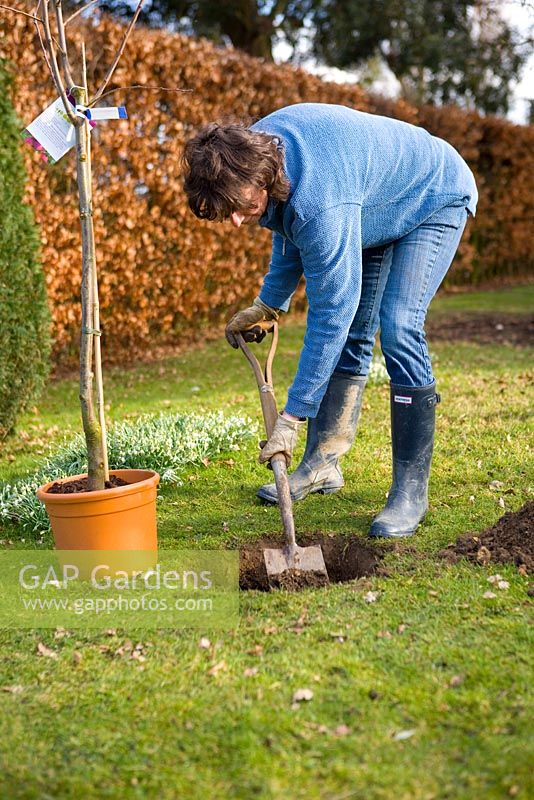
424, 694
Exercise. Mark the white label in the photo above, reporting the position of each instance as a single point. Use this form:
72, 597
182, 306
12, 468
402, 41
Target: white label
51, 131
400, 399
106, 112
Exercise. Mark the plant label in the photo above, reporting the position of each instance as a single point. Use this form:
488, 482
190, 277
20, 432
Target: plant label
51, 133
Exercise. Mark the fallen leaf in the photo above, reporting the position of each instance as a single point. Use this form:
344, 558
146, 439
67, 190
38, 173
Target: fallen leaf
302, 695
270, 629
137, 655
14, 689
496, 485
483, 555
257, 650
494, 578
456, 680
218, 667
338, 636
432, 593
204, 643
301, 622
501, 502
59, 633
342, 730
384, 635
489, 595
371, 597
43, 650
77, 657
400, 736
250, 672
503, 585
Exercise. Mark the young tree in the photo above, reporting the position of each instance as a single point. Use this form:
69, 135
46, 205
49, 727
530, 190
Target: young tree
51, 28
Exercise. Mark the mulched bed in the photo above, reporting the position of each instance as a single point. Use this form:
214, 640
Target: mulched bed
346, 558
482, 327
509, 541
80, 485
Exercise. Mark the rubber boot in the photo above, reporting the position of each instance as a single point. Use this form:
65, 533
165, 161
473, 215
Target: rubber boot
413, 416
330, 435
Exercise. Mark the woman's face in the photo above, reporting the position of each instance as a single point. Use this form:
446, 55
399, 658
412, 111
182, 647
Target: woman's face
255, 201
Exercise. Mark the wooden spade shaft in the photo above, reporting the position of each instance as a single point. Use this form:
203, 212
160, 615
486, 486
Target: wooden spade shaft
264, 379
307, 560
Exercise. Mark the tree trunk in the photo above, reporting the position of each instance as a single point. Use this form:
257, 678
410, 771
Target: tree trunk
96, 461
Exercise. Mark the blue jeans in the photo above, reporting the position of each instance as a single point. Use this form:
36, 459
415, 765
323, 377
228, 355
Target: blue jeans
399, 280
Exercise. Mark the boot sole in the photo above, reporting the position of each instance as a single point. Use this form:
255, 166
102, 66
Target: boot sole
381, 534
273, 501
384, 535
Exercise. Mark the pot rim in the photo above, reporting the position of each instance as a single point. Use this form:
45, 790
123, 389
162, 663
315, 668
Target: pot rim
143, 484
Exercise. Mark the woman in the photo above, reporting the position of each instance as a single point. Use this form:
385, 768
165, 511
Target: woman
371, 211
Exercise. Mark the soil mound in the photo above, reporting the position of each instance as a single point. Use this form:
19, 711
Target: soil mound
482, 327
509, 541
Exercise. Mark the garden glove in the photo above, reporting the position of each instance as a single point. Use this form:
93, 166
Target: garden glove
247, 323
282, 440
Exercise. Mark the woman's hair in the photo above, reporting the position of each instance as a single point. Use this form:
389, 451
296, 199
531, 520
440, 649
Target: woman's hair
222, 160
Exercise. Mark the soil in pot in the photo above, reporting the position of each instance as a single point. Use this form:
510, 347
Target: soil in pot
80, 485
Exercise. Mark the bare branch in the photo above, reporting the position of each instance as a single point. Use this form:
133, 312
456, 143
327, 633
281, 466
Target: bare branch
63, 45
56, 75
136, 86
24, 14
80, 11
119, 52
39, 34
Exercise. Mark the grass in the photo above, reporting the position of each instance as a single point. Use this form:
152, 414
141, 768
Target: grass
431, 657
513, 300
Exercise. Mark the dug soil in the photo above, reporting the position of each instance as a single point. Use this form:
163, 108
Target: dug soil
80, 485
509, 541
482, 327
346, 558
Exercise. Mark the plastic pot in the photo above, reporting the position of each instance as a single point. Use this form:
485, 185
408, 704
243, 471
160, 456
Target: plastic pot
121, 518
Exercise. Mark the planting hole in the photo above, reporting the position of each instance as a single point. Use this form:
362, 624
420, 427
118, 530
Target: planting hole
346, 558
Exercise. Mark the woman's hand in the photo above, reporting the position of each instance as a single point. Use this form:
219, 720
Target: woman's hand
246, 323
283, 438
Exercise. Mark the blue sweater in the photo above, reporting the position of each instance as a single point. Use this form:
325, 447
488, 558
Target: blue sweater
357, 181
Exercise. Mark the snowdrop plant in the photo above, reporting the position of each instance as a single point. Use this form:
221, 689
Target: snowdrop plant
166, 443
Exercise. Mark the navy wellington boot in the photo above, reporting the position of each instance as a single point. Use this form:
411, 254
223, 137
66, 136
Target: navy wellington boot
413, 417
330, 435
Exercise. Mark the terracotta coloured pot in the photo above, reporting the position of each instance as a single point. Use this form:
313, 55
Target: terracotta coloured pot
121, 518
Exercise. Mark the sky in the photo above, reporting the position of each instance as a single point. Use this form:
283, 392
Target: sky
521, 15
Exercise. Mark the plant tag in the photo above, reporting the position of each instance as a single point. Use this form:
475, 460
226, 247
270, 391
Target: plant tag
51, 132
113, 112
